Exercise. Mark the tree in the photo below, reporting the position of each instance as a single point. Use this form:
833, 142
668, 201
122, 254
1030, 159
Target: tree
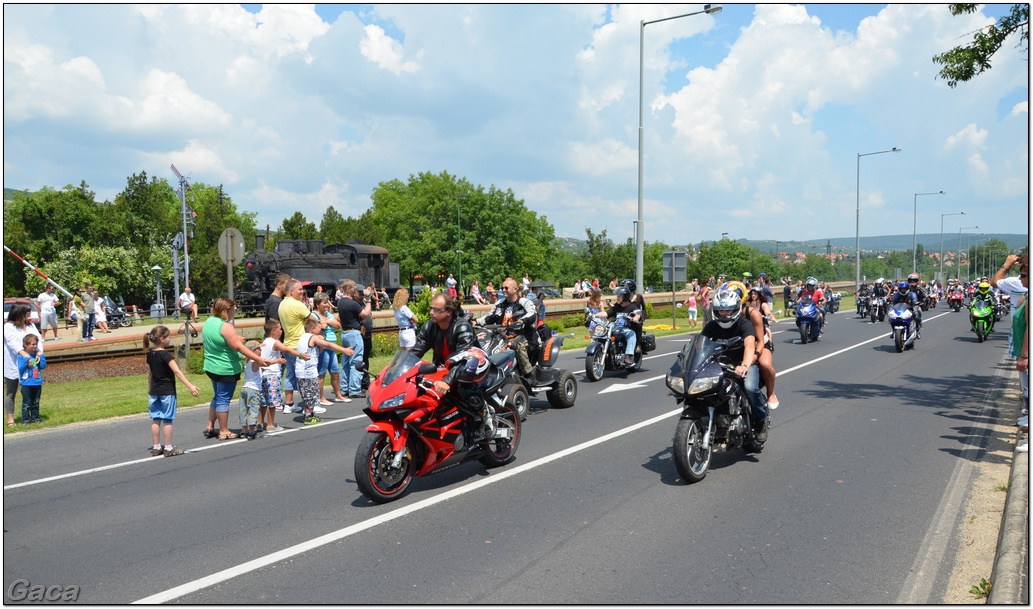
297, 227
965, 62
333, 228
215, 213
725, 256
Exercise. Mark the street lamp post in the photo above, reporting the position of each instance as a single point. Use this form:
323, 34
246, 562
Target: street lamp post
942, 216
959, 248
639, 231
459, 237
914, 230
857, 240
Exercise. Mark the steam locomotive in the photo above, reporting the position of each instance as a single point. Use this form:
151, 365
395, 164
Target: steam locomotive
315, 264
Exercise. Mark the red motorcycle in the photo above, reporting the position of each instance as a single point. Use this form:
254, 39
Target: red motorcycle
954, 299
416, 432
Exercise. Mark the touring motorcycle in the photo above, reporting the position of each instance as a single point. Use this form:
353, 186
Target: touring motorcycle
606, 351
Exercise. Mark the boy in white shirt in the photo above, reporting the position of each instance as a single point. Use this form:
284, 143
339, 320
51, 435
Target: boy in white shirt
307, 370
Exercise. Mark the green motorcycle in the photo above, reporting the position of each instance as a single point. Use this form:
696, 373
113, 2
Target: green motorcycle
981, 314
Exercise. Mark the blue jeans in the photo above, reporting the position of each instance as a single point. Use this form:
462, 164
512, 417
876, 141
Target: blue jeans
632, 340
290, 382
751, 384
351, 379
30, 402
88, 323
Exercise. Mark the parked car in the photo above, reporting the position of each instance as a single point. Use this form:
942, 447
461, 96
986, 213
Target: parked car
33, 314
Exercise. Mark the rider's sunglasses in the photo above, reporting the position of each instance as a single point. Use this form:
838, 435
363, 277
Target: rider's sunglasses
437, 309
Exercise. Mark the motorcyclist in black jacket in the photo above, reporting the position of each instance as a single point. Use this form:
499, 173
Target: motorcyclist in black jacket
913, 286
446, 333
510, 310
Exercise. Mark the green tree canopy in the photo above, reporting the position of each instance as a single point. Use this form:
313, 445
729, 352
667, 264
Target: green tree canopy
965, 62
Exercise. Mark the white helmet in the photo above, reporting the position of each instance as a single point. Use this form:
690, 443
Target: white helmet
727, 307
475, 364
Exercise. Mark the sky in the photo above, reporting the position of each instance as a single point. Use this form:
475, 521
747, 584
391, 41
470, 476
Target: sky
753, 118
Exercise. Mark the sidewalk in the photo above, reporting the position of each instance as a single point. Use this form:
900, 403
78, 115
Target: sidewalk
1010, 575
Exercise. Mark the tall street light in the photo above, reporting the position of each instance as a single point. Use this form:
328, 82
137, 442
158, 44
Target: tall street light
639, 230
914, 230
959, 248
857, 241
942, 216
459, 251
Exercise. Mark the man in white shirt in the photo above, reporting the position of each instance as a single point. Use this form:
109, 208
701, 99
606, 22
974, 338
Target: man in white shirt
46, 302
188, 303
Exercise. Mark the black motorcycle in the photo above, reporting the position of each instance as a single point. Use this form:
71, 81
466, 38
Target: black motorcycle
716, 412
863, 306
606, 351
118, 317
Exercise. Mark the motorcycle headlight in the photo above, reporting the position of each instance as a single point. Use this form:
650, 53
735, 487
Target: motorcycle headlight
702, 385
393, 402
600, 330
676, 384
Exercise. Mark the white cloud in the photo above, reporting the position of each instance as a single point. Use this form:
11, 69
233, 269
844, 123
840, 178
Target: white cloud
386, 52
969, 137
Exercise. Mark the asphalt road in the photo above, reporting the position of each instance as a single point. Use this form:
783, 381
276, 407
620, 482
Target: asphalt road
855, 499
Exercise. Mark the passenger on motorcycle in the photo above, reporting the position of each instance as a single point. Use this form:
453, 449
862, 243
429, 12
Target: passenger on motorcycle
910, 298
879, 290
511, 309
634, 312
756, 308
636, 297
920, 294
729, 323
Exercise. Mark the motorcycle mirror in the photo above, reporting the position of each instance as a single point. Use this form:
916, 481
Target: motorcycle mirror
427, 368
360, 365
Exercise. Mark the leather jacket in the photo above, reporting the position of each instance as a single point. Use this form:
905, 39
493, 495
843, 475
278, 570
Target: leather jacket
458, 337
522, 309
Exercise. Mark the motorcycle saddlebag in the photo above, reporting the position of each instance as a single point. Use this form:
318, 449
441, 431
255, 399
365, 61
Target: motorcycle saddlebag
648, 343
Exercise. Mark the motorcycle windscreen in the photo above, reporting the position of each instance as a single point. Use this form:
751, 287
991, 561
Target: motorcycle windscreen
403, 362
696, 354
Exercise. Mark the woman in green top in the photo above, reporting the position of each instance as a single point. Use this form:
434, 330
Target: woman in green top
222, 350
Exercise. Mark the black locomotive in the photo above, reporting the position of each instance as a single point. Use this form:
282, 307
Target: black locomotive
316, 264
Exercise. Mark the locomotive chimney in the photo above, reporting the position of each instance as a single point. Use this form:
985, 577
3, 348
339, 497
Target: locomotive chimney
260, 243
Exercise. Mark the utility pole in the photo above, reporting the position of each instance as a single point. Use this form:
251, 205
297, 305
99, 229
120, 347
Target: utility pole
187, 220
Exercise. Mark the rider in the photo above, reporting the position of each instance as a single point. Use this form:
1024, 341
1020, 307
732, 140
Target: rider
634, 312
512, 309
729, 323
920, 294
862, 292
447, 333
910, 298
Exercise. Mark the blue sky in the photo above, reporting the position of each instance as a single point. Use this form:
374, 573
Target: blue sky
753, 120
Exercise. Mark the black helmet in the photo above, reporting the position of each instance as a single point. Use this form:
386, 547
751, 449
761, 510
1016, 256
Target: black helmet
622, 292
630, 284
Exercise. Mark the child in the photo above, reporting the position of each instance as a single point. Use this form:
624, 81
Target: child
30, 362
307, 371
162, 390
251, 398
271, 388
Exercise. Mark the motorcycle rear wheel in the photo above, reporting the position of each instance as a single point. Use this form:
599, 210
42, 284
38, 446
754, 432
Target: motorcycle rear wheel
596, 364
503, 450
691, 461
565, 393
377, 480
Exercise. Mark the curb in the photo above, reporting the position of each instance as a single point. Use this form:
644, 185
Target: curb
1011, 563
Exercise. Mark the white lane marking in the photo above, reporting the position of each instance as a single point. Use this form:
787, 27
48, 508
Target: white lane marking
264, 561
152, 459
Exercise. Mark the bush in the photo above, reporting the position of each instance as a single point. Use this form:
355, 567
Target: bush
572, 320
384, 344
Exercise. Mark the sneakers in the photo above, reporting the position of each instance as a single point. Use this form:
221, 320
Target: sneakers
288, 408
174, 451
357, 395
251, 436
157, 452
297, 408
273, 429
318, 409
93, 338
312, 420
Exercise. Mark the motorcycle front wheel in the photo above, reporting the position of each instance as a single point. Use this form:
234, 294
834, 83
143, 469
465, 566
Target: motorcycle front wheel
872, 313
690, 459
805, 332
898, 339
503, 450
980, 331
377, 479
596, 364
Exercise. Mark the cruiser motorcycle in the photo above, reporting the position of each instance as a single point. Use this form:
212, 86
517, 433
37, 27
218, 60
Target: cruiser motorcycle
606, 351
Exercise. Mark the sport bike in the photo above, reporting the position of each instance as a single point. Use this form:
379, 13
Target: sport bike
606, 351
715, 412
415, 432
981, 314
903, 325
954, 299
807, 319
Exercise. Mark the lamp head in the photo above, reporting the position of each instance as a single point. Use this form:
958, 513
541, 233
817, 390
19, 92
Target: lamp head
711, 9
